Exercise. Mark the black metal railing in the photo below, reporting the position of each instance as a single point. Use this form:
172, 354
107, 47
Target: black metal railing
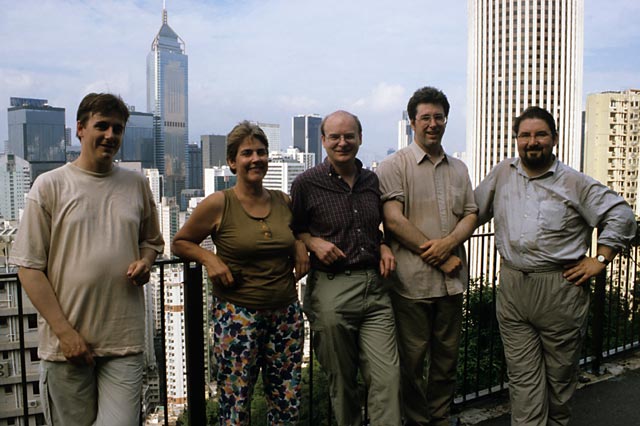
614, 329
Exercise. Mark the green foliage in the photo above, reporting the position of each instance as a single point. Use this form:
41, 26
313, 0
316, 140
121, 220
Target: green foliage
481, 360
315, 401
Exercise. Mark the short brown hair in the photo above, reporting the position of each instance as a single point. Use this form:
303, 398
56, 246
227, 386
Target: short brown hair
238, 134
102, 103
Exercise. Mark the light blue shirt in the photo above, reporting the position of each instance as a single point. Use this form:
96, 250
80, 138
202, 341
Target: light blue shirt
547, 221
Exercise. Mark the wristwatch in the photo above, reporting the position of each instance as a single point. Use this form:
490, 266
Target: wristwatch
600, 258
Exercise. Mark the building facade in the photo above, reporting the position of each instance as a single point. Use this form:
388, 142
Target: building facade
138, 143
522, 53
214, 151
194, 166
15, 182
167, 100
306, 135
405, 132
612, 132
36, 134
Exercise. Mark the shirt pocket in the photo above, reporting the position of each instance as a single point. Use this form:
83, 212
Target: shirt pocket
552, 215
457, 201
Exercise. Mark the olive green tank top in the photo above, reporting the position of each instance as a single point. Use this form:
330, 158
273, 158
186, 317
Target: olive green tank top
259, 252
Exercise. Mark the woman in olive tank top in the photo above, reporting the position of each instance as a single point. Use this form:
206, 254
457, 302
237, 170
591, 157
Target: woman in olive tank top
258, 322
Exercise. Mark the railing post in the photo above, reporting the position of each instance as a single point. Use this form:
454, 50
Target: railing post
597, 325
194, 341
23, 362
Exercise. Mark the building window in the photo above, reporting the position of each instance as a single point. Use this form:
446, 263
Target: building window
8, 390
32, 321
33, 352
36, 388
3, 321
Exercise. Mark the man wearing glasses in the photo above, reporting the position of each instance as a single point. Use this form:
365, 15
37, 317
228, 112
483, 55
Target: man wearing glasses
544, 214
429, 211
337, 214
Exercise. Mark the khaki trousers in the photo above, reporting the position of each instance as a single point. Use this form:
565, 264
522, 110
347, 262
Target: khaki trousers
543, 320
428, 329
353, 326
105, 394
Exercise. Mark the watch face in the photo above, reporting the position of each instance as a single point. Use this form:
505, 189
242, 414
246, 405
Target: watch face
602, 259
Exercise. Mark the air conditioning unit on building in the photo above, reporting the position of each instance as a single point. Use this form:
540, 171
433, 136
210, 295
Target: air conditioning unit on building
33, 403
4, 369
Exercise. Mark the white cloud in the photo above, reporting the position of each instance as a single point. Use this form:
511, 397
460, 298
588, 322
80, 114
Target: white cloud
383, 98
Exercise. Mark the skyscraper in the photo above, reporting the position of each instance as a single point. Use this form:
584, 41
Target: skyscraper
405, 132
612, 139
36, 134
167, 99
306, 135
194, 166
15, 182
522, 53
138, 142
214, 151
272, 132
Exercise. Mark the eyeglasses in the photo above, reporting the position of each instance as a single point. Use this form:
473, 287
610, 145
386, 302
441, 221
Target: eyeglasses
439, 118
335, 137
537, 136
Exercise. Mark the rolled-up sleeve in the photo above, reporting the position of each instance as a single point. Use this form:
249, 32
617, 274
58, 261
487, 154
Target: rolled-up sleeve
390, 178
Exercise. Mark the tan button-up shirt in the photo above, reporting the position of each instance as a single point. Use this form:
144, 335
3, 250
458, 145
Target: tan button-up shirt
435, 196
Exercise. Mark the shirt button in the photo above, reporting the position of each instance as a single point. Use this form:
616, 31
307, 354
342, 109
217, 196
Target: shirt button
361, 248
355, 210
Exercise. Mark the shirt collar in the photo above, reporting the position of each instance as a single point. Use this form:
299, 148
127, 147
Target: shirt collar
420, 155
332, 172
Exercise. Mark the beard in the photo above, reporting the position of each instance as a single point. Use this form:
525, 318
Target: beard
537, 159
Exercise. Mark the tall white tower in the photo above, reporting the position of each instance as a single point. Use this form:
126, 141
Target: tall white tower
522, 53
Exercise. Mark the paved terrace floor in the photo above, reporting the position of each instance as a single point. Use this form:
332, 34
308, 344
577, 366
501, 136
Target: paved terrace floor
610, 399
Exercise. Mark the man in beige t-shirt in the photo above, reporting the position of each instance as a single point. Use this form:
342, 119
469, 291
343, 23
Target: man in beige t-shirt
87, 240
429, 211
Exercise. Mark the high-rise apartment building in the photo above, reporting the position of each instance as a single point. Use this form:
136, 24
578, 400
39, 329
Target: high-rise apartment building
15, 182
169, 222
194, 166
612, 141
272, 131
282, 171
214, 151
522, 53
306, 135
11, 405
167, 100
138, 143
36, 134
405, 132
217, 179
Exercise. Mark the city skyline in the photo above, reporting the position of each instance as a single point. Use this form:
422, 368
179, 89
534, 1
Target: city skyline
269, 61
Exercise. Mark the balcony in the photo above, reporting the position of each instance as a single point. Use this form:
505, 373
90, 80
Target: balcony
613, 333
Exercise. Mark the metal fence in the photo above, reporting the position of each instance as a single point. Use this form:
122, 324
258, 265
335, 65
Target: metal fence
614, 328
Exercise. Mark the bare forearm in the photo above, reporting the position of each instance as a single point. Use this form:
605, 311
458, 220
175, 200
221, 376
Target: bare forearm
148, 255
402, 229
189, 250
40, 292
463, 230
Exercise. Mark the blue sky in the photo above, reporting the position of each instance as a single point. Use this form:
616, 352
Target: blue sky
268, 60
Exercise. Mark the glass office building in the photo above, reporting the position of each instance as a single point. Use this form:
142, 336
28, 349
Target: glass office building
36, 134
167, 100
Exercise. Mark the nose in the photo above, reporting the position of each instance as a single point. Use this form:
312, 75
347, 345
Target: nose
108, 133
